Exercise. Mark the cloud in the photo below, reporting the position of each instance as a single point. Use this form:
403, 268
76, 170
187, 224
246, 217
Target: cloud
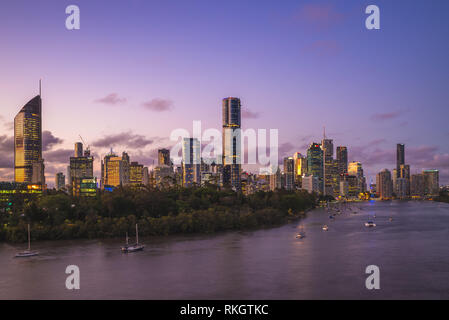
49, 140
248, 114
386, 116
318, 17
6, 144
111, 99
58, 156
158, 105
127, 139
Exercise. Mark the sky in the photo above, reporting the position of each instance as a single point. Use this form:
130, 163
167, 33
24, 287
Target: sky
137, 70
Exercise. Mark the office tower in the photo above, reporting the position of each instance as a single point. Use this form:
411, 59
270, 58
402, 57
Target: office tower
310, 183
401, 188
78, 150
69, 178
328, 148
275, 179
431, 182
417, 187
126, 168
342, 159
135, 174
81, 172
191, 162
104, 169
27, 139
163, 157
315, 163
289, 173
344, 188
404, 173
38, 176
163, 176
231, 142
145, 177
300, 163
59, 181
384, 184
400, 157
116, 170
355, 169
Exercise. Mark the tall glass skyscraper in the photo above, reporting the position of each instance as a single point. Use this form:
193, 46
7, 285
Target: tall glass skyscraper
27, 139
400, 157
315, 162
191, 162
232, 142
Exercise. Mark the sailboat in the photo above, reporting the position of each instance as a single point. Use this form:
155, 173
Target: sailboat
27, 253
135, 247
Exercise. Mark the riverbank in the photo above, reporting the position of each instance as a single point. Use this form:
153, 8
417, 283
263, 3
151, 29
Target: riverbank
180, 211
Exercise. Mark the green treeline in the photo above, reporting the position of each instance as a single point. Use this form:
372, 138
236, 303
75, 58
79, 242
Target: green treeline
443, 197
180, 210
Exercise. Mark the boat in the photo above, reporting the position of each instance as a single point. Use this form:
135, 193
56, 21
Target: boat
28, 252
331, 217
134, 247
300, 235
325, 228
370, 224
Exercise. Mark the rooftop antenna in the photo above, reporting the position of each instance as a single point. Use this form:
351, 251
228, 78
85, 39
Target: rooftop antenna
324, 132
40, 88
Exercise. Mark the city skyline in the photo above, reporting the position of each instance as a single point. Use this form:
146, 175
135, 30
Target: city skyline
135, 113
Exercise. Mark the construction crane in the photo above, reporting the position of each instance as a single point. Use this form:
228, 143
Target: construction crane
84, 143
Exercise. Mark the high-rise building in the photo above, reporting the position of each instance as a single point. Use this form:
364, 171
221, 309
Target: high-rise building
145, 176
27, 139
315, 163
300, 163
191, 162
289, 173
163, 157
404, 173
115, 170
38, 172
310, 183
400, 157
59, 181
135, 174
384, 185
275, 179
78, 150
431, 182
342, 159
81, 168
417, 187
231, 110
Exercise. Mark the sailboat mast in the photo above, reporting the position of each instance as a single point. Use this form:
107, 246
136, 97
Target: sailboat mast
29, 239
137, 234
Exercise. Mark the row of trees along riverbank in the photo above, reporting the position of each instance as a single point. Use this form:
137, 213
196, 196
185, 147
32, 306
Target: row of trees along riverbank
57, 215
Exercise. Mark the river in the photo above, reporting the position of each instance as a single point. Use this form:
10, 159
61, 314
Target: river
412, 253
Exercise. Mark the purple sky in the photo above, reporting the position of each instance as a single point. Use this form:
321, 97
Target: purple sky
139, 69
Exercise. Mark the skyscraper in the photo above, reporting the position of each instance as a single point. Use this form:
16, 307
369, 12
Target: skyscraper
289, 173
315, 163
431, 182
191, 162
384, 184
231, 142
27, 139
59, 181
400, 157
163, 157
342, 159
81, 167
78, 149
